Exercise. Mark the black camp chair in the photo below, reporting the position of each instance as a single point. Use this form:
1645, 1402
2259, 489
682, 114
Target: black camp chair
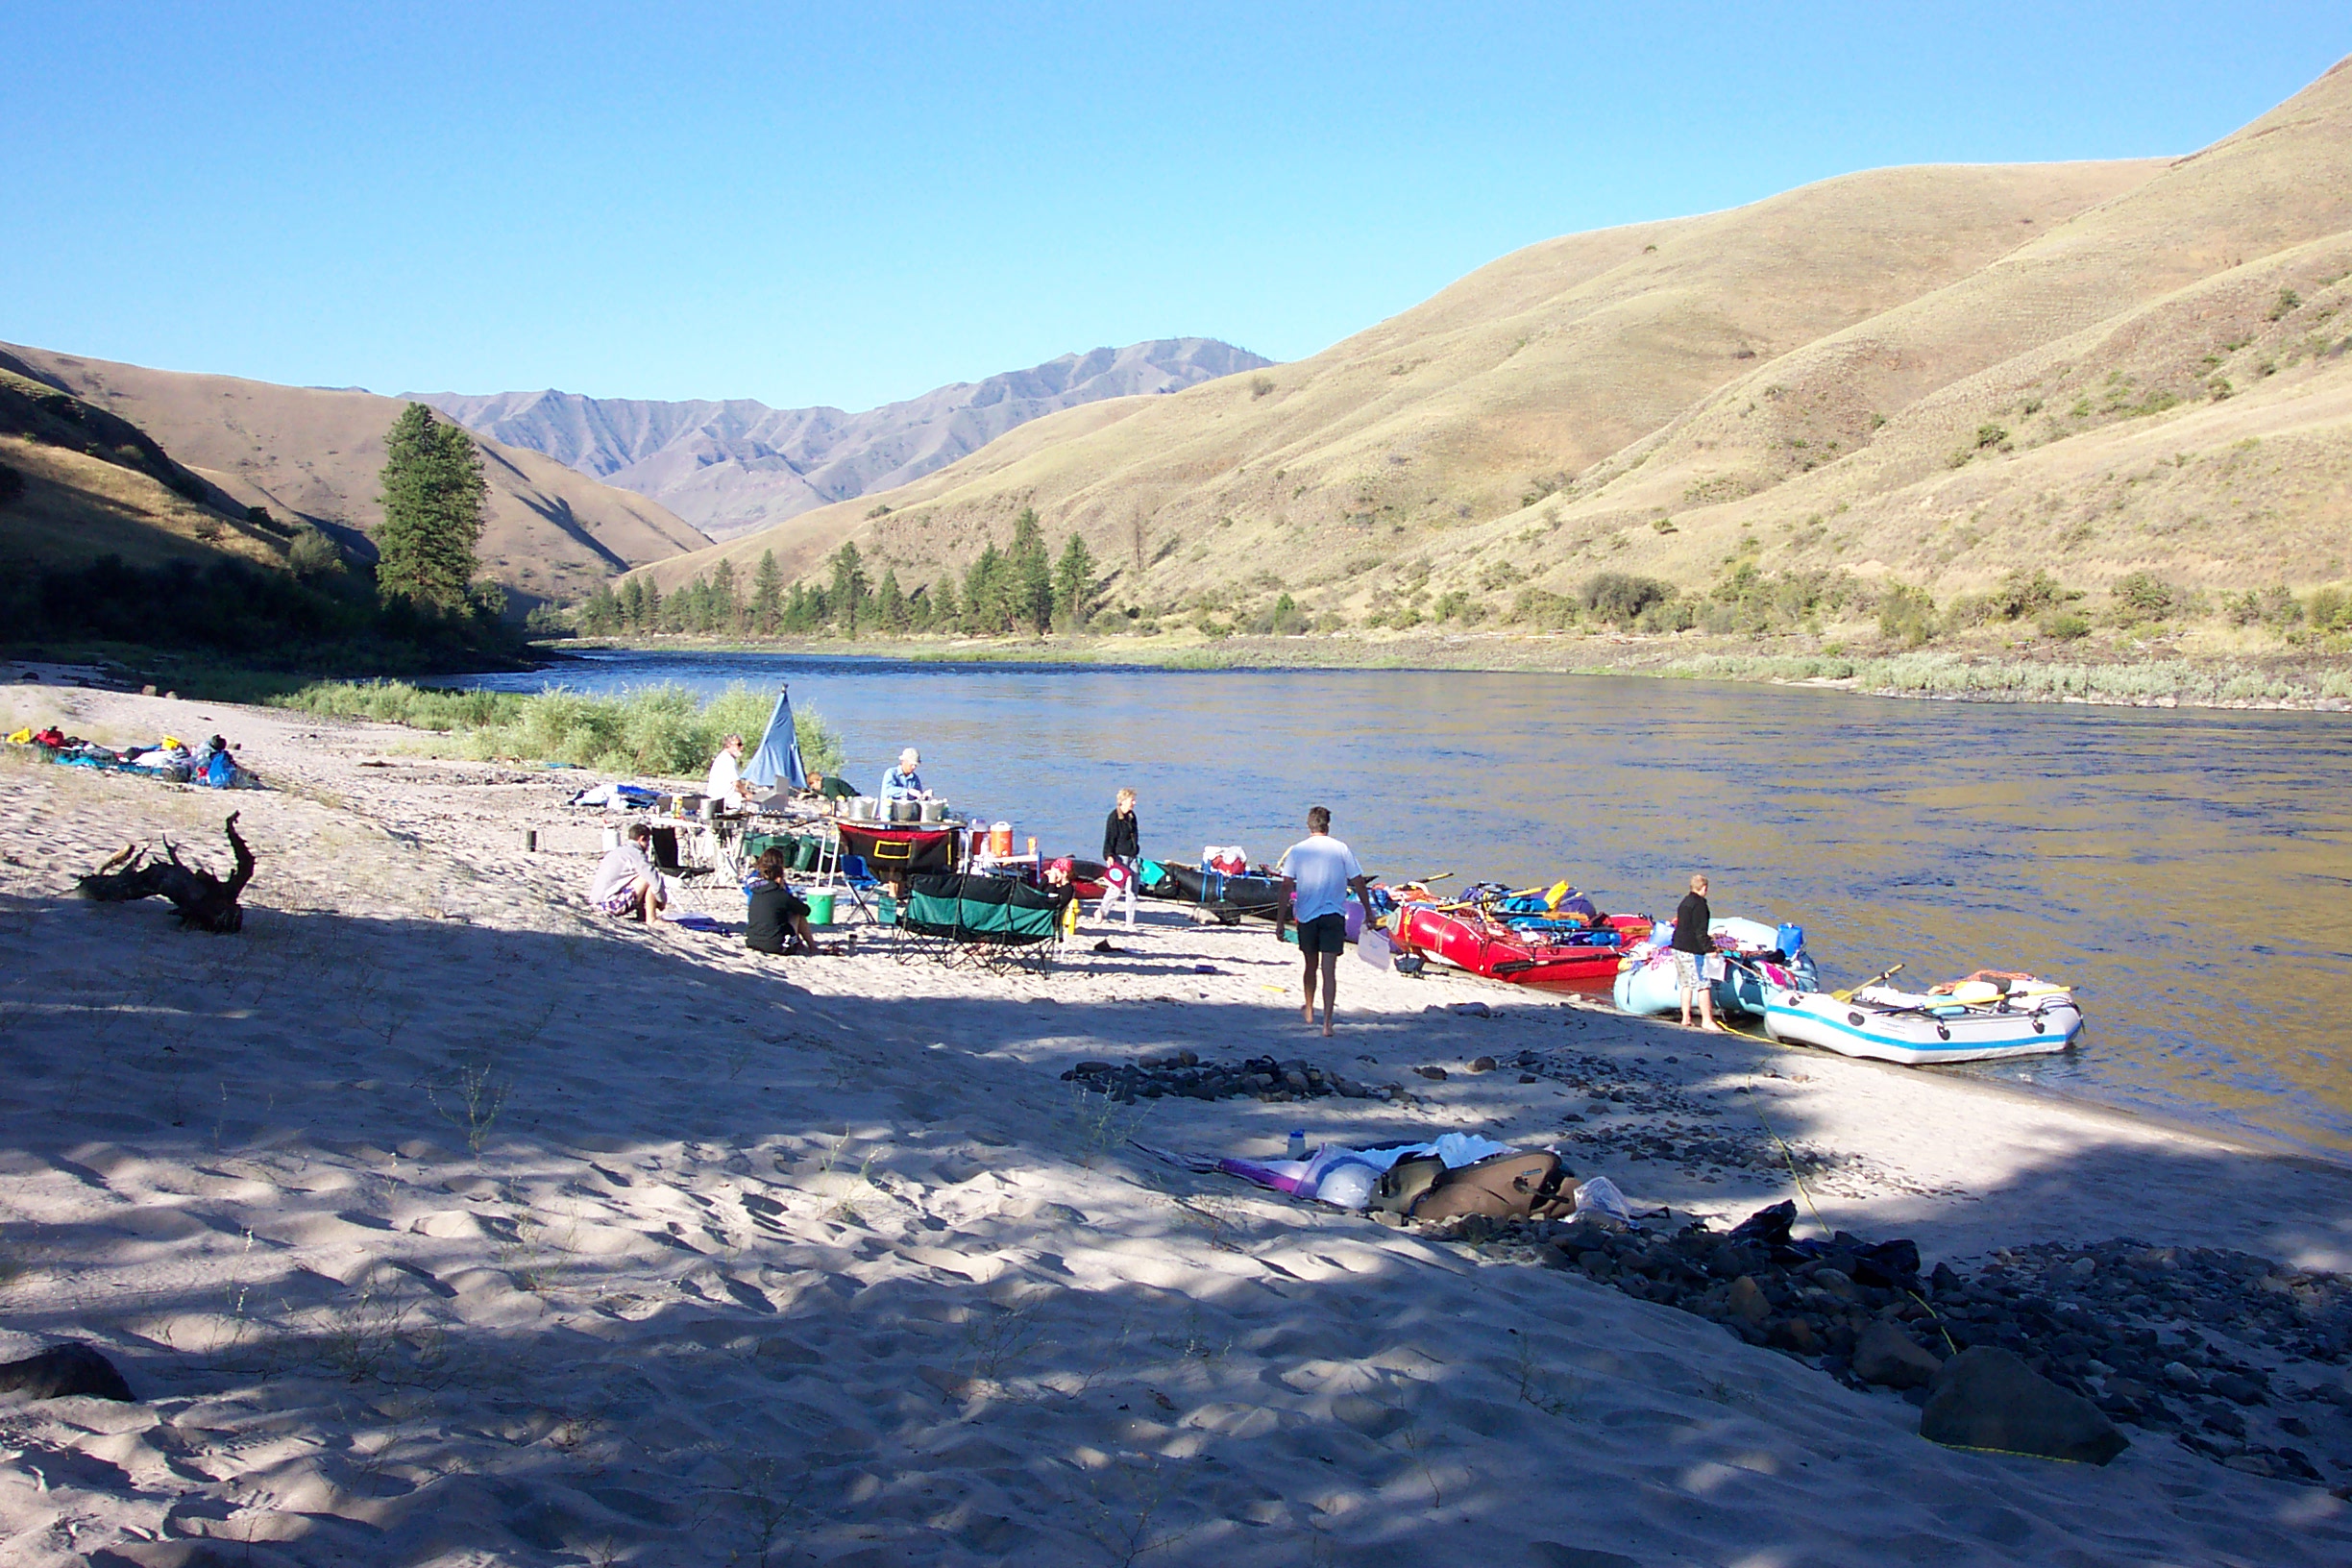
962, 918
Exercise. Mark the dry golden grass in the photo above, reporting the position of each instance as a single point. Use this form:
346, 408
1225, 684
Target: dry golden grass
75, 507
1929, 374
307, 453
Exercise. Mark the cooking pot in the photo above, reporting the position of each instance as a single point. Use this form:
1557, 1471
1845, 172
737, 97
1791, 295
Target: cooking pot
935, 811
860, 808
905, 809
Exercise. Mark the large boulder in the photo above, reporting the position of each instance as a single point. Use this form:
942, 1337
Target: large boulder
1987, 1398
1886, 1356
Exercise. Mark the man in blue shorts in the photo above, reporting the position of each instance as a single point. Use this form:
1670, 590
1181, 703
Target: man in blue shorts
1320, 871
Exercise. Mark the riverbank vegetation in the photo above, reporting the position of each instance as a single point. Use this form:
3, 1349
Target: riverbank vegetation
662, 731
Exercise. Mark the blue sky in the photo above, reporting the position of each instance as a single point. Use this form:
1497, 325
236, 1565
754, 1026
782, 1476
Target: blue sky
851, 203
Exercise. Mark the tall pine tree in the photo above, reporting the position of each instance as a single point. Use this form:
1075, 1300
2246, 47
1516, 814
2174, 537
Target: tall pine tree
767, 596
850, 590
1032, 589
890, 602
1073, 588
436, 501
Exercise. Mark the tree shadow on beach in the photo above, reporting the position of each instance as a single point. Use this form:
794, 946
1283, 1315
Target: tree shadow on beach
586, 1245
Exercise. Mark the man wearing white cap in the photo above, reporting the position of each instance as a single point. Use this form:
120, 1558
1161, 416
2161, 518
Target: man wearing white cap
903, 782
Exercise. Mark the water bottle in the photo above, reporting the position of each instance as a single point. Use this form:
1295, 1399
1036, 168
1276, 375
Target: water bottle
1298, 1142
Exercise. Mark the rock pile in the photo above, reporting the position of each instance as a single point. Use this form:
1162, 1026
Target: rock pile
2240, 1359
1185, 1075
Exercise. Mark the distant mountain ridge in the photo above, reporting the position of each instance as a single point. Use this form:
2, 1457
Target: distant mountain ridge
735, 466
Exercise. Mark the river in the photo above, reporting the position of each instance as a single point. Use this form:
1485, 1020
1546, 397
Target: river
2187, 871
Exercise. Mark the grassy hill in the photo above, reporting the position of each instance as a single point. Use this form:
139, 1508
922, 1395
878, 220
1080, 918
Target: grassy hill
89, 484
311, 454
1896, 396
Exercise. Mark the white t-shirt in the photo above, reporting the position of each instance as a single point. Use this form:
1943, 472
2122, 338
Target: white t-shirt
723, 776
1321, 866
623, 864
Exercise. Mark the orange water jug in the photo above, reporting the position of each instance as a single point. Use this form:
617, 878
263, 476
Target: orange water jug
1001, 840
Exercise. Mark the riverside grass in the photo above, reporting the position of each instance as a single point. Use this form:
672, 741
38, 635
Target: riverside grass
663, 731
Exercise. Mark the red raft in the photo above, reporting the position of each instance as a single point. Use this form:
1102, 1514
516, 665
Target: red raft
1469, 940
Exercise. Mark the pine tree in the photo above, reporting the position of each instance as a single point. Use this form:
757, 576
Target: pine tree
600, 616
1032, 593
890, 602
797, 609
984, 593
767, 596
848, 600
725, 605
1073, 588
632, 606
946, 613
653, 605
434, 500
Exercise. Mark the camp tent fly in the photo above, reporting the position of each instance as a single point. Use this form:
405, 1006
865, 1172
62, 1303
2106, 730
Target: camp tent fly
778, 761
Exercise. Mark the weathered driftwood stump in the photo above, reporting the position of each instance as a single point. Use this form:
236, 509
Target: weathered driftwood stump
204, 900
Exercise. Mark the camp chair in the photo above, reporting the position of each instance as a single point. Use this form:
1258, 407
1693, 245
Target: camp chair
959, 918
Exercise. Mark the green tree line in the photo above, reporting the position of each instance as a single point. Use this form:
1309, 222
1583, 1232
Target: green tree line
1019, 588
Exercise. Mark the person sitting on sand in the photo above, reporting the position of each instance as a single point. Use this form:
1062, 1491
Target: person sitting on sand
903, 782
725, 783
778, 919
626, 885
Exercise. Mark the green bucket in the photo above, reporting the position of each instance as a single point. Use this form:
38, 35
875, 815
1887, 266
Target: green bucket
821, 908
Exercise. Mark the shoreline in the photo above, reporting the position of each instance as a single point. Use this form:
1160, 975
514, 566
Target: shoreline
1946, 674
525, 1231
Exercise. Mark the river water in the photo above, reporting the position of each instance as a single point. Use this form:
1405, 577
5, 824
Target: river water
2188, 870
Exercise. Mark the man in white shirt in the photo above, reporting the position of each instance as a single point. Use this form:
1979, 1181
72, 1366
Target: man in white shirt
725, 782
1319, 871
625, 884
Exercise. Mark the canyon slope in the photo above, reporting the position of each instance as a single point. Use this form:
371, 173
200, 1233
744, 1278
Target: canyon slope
732, 467
1931, 374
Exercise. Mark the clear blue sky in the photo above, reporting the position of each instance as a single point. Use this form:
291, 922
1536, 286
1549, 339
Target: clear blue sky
851, 204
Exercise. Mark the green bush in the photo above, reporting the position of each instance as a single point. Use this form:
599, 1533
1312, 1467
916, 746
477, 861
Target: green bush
1619, 597
662, 731
2065, 625
2143, 595
313, 554
1540, 607
1906, 615
1668, 615
2328, 610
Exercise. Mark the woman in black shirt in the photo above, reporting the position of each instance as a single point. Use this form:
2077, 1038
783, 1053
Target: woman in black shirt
1691, 946
1122, 847
778, 921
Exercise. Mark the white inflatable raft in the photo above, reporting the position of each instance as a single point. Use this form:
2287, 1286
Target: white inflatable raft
1975, 1022
1646, 982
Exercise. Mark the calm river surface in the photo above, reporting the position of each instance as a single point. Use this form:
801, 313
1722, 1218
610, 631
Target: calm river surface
2188, 870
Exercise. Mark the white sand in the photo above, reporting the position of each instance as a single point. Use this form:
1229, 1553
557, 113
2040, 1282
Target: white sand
829, 1265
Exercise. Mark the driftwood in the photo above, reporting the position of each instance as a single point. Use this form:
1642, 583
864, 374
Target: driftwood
204, 900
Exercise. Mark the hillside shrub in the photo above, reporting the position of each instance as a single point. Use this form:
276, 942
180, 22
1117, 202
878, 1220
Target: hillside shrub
1541, 608
1668, 615
1619, 597
2021, 596
2143, 595
1906, 615
2329, 609
2065, 625
313, 554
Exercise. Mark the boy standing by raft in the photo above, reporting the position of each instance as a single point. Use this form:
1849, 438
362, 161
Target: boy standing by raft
1321, 871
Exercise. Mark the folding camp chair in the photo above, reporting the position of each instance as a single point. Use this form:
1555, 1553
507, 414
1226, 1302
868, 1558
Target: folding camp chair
963, 919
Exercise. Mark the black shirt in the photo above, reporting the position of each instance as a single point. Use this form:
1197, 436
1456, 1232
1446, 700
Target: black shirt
1692, 918
1121, 836
770, 923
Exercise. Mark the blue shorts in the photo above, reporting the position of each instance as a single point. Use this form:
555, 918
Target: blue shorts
1324, 933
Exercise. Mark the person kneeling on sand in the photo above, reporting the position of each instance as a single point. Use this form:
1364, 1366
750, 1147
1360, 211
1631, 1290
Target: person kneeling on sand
778, 919
625, 884
1321, 871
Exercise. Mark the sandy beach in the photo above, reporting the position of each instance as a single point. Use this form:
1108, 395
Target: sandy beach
434, 1220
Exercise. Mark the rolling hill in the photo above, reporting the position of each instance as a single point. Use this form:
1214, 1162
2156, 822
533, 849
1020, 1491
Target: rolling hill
735, 466
1934, 375
313, 454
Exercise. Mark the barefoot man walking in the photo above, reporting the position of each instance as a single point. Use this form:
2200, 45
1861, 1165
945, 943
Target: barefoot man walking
1321, 871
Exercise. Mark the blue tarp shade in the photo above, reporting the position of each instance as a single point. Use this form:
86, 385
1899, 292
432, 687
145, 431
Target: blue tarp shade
778, 761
